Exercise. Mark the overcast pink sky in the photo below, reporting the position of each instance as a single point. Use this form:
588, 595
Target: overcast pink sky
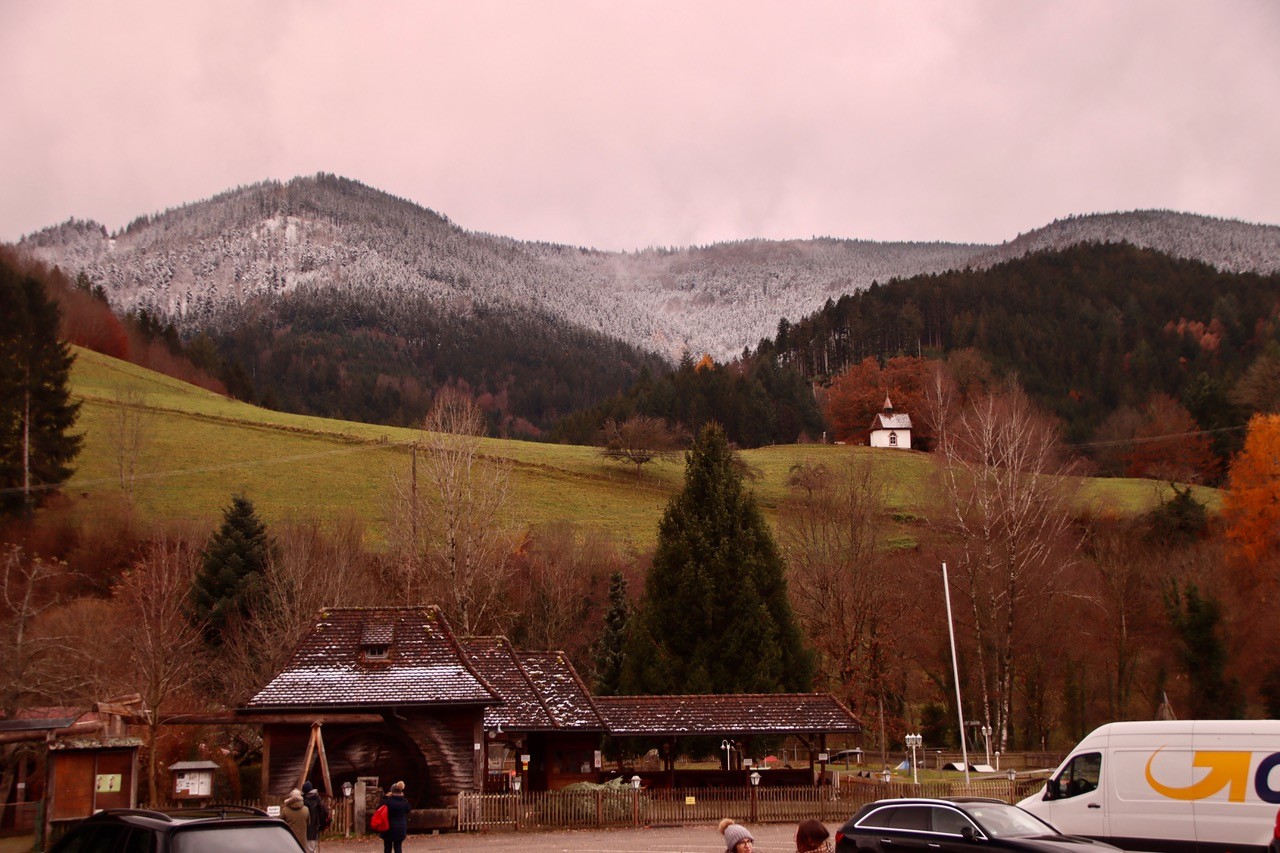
620, 125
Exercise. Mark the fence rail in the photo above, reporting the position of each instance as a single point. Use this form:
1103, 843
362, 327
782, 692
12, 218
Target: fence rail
603, 807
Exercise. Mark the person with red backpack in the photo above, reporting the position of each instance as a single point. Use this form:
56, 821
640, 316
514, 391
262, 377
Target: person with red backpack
397, 819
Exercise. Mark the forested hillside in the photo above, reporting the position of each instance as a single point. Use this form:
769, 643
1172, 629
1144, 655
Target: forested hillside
1086, 330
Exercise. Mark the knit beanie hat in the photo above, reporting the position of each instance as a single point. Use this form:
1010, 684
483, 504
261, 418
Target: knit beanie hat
733, 833
307, 787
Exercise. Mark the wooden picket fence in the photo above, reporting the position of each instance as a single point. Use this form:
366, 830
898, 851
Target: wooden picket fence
601, 807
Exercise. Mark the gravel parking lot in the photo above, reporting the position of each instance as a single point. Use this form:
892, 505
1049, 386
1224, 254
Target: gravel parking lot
770, 838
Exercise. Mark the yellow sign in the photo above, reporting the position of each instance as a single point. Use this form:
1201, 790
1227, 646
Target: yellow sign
690, 801
1225, 768
109, 783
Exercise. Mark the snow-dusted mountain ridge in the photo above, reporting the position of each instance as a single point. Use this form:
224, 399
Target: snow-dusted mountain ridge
203, 262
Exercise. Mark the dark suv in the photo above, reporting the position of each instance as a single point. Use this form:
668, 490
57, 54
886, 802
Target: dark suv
217, 829
956, 825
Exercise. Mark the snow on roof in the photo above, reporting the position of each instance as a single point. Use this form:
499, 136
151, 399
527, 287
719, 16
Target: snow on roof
424, 664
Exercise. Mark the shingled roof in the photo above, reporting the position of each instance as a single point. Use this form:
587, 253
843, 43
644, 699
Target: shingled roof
522, 708
746, 713
563, 694
357, 656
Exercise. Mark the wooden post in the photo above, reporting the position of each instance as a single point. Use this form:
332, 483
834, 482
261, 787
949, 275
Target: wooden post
266, 761
306, 762
324, 760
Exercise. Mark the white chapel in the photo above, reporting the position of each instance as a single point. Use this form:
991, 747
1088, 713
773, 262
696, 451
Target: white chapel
890, 428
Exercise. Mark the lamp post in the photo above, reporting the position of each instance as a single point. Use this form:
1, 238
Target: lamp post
726, 746
349, 805
755, 783
914, 741
986, 740
635, 800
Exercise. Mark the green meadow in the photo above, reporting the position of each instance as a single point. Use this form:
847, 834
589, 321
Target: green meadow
201, 448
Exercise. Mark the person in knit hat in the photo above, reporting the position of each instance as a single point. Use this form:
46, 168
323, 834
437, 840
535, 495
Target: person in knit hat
737, 838
813, 837
295, 814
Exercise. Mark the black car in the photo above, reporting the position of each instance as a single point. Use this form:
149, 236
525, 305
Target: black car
954, 826
229, 829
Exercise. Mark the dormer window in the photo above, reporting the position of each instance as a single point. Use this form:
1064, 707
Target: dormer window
375, 641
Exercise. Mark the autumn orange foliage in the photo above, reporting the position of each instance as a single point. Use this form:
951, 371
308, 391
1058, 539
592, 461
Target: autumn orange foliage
858, 394
1251, 503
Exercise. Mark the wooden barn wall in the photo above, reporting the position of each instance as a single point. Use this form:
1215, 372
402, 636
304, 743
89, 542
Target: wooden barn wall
439, 746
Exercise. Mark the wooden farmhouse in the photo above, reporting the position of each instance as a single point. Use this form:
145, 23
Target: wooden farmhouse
890, 428
392, 694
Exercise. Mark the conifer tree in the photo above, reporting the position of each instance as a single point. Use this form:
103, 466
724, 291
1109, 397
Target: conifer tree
715, 617
36, 411
610, 651
230, 580
1196, 621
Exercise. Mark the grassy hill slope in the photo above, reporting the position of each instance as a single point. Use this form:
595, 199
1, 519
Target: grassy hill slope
203, 447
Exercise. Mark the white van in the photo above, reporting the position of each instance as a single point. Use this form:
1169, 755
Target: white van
1177, 786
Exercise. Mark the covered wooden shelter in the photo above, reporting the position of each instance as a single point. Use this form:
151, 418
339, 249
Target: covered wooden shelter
738, 720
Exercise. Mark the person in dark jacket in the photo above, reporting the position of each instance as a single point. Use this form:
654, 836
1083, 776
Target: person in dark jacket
316, 815
294, 813
397, 818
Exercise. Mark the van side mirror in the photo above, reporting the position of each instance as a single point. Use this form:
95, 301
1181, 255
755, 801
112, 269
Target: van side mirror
1052, 790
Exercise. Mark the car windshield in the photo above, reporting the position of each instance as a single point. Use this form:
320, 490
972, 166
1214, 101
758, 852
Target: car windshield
220, 838
999, 820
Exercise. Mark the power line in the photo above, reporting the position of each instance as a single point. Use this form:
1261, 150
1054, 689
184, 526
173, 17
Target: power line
1153, 438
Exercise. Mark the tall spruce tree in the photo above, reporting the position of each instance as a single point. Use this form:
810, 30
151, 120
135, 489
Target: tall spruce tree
610, 651
1196, 621
715, 617
36, 411
230, 579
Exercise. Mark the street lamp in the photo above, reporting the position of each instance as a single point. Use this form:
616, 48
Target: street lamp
726, 746
635, 800
755, 783
914, 741
986, 740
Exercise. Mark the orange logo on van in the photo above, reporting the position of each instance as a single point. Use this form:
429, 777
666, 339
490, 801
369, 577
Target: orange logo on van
1225, 768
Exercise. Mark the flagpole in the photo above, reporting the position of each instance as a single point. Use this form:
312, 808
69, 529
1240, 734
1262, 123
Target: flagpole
955, 668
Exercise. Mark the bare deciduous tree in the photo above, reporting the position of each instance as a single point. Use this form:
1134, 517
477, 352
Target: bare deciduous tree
165, 658
129, 433
831, 532
562, 573
310, 568
451, 532
1005, 505
36, 666
639, 440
